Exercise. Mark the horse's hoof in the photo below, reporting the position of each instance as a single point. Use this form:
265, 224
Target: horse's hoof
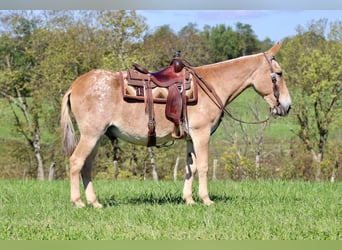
189, 201
79, 204
208, 202
97, 204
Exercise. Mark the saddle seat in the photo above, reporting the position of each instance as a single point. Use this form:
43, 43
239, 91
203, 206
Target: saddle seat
165, 77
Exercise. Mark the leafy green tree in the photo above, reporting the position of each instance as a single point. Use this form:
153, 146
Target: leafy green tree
265, 44
223, 42
312, 61
43, 54
248, 43
193, 45
122, 33
16, 80
159, 47
65, 47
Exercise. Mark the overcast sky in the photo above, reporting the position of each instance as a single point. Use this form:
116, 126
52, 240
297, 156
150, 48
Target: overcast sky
275, 24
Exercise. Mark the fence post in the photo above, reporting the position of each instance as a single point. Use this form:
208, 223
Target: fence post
52, 171
175, 169
153, 164
214, 169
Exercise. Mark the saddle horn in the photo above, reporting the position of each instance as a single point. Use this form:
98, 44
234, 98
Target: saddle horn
177, 61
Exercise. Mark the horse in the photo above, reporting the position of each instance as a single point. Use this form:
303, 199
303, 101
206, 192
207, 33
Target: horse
95, 102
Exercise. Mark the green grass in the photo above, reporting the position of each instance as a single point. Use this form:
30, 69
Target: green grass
149, 210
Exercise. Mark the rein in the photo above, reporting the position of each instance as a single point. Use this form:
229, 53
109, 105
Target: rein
216, 99
211, 93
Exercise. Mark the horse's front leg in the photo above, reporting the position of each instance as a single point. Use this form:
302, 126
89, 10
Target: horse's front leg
201, 146
197, 161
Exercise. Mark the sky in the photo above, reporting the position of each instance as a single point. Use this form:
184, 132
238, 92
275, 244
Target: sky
274, 24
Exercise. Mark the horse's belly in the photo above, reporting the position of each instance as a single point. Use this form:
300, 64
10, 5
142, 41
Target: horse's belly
135, 137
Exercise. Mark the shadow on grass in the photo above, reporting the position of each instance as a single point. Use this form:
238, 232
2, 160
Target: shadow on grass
157, 199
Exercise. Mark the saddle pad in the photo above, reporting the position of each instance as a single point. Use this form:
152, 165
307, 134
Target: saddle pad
136, 93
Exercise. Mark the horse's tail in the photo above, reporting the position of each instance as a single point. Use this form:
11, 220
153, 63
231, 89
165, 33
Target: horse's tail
68, 132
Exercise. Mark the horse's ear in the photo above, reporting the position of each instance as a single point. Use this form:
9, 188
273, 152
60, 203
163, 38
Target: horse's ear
274, 50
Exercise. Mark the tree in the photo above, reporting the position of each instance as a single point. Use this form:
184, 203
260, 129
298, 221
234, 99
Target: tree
193, 45
159, 47
16, 80
312, 61
226, 43
223, 42
122, 32
41, 59
248, 43
65, 49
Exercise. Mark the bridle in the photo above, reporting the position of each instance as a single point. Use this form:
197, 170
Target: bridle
274, 77
211, 93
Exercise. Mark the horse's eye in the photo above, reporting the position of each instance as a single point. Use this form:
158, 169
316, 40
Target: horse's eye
280, 74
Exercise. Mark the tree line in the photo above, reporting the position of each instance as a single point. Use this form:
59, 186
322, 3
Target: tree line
42, 52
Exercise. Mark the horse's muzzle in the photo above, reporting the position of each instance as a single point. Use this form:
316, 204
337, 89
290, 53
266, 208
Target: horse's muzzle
280, 110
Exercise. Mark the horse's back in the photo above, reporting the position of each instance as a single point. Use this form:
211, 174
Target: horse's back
95, 80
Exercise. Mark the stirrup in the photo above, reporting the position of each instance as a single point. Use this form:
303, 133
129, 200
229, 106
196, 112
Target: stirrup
178, 131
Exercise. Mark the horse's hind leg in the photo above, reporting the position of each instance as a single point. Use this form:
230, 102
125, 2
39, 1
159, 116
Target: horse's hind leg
81, 157
87, 181
190, 172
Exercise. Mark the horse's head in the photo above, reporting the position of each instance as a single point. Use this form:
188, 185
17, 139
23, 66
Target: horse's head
270, 84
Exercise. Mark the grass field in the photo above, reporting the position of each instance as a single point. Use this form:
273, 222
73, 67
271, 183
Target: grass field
150, 210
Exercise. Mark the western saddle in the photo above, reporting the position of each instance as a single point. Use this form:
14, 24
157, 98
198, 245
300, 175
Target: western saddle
173, 85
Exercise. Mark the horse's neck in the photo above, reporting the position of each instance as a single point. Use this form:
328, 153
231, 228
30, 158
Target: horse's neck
230, 78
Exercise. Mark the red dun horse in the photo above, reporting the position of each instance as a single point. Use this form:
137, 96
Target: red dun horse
96, 102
